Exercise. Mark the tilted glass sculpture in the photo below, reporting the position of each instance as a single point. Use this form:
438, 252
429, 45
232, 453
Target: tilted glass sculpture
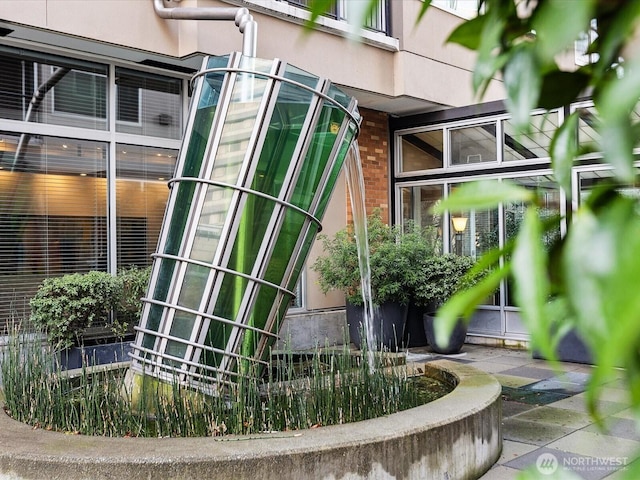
264, 145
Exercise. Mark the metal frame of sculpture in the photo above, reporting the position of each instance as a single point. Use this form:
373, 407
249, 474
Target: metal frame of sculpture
264, 146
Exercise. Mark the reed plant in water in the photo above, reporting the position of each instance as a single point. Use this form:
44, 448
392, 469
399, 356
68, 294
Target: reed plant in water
299, 391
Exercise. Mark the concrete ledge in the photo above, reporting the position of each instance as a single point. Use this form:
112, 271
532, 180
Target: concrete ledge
455, 437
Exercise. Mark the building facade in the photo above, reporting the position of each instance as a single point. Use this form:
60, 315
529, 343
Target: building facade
93, 101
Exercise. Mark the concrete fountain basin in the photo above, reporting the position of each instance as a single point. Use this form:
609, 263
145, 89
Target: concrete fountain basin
457, 436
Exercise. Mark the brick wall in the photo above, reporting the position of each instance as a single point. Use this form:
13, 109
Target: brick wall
374, 152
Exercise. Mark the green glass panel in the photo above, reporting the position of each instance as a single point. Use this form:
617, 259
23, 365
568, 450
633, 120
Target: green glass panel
193, 287
160, 293
215, 338
282, 137
298, 75
219, 333
339, 96
316, 160
335, 172
302, 258
192, 164
181, 327
234, 143
278, 148
278, 264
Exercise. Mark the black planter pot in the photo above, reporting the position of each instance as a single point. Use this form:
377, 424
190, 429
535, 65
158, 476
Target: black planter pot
414, 335
571, 348
94, 355
456, 339
388, 325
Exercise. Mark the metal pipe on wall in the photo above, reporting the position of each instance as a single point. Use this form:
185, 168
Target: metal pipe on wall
241, 16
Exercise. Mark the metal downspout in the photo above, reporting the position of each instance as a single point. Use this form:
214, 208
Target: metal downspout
243, 20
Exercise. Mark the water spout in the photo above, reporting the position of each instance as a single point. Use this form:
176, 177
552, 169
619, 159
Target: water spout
355, 184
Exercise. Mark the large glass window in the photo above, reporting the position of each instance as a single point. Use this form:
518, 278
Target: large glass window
549, 210
71, 91
588, 136
487, 147
53, 90
421, 151
532, 145
417, 203
474, 144
148, 104
141, 194
55, 216
591, 179
342, 10
52, 213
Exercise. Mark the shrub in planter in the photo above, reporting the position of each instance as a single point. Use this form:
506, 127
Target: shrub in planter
132, 286
439, 278
393, 255
64, 307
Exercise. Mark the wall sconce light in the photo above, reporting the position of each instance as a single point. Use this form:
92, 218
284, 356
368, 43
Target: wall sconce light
459, 223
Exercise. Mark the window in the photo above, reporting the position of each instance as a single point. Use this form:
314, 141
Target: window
584, 42
591, 179
343, 10
473, 144
128, 104
142, 174
463, 8
16, 78
148, 104
52, 90
588, 136
549, 207
55, 216
79, 93
332, 11
417, 203
438, 158
421, 151
532, 145
53, 198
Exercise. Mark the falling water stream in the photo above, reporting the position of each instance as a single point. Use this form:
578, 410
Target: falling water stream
355, 184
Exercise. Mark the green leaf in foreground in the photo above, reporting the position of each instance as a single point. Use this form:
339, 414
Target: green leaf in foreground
469, 33
529, 269
522, 80
603, 266
423, 9
564, 149
483, 195
558, 23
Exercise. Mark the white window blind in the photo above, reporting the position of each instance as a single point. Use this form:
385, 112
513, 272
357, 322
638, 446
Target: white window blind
141, 189
53, 214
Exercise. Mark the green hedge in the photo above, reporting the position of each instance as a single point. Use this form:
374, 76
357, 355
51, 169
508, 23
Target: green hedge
65, 307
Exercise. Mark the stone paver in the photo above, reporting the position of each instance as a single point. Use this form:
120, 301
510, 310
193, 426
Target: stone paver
545, 419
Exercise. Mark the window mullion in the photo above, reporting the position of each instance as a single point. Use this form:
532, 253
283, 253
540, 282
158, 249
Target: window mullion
112, 238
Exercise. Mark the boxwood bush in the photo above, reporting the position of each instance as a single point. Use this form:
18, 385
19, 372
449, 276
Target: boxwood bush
65, 307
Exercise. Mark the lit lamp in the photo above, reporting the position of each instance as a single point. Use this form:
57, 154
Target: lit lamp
459, 224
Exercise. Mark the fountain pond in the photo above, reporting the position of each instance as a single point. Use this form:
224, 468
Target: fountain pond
457, 434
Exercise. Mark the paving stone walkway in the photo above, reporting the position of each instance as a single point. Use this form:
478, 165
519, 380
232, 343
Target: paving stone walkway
545, 421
